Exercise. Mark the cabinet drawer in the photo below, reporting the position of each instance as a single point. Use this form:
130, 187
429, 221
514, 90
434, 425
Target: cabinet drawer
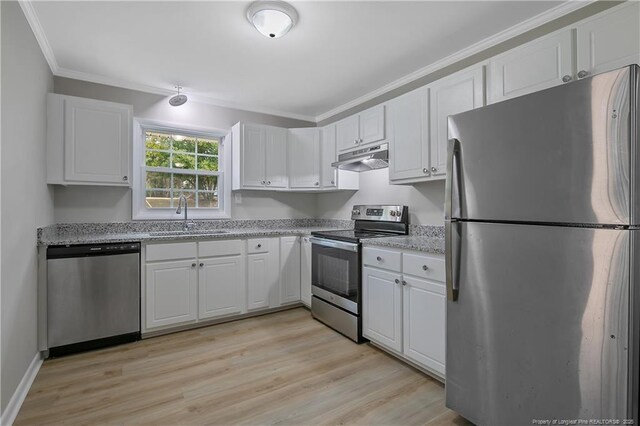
423, 266
381, 258
171, 251
219, 248
257, 245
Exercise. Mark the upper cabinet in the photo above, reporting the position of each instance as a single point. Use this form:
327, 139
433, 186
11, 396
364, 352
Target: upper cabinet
259, 157
332, 178
304, 158
361, 129
608, 40
537, 65
88, 141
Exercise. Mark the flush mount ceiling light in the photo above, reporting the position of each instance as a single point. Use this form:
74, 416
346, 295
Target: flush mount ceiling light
273, 18
178, 99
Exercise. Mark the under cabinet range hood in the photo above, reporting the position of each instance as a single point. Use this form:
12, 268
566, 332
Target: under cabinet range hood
362, 160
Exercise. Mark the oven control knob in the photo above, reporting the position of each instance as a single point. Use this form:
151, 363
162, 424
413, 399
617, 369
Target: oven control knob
356, 211
398, 213
393, 212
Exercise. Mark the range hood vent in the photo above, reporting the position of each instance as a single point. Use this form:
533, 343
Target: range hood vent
362, 160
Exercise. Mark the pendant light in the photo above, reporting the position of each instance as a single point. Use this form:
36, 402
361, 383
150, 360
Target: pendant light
178, 99
272, 18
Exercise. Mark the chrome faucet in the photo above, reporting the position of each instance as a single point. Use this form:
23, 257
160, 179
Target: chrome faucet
187, 224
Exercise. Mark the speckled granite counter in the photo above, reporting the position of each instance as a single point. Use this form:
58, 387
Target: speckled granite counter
95, 233
426, 238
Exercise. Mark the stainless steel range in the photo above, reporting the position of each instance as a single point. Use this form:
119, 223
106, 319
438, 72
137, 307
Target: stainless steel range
336, 283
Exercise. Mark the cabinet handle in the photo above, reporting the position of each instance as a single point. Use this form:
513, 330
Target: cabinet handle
268, 182
433, 169
404, 282
201, 264
259, 245
263, 182
125, 178
425, 267
193, 265
379, 259
397, 281
425, 171
566, 79
582, 74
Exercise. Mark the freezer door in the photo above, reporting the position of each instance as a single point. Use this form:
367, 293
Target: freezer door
540, 327
559, 155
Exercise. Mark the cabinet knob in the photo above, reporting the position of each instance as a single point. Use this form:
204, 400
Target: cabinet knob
355, 141
433, 169
125, 178
404, 282
582, 74
193, 265
201, 264
333, 182
259, 245
268, 182
360, 140
425, 171
566, 79
425, 267
317, 183
379, 259
397, 281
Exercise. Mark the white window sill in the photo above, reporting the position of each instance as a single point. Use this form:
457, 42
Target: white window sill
170, 214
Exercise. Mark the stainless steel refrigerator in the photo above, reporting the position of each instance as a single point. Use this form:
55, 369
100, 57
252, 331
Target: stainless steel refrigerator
543, 255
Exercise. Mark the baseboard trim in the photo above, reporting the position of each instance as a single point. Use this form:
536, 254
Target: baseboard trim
15, 403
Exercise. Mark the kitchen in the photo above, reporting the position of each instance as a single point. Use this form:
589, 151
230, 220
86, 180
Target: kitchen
238, 234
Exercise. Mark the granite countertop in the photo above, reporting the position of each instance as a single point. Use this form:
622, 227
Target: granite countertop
427, 244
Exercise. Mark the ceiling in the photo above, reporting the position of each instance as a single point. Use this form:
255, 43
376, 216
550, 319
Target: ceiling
339, 51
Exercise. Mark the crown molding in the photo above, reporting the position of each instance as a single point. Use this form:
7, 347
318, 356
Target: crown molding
516, 30
41, 38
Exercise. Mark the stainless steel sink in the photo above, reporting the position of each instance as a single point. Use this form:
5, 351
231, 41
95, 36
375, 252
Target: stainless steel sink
189, 232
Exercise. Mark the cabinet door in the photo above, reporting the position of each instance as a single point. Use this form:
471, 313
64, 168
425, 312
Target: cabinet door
253, 156
537, 65
305, 271
276, 157
222, 286
348, 133
289, 270
327, 156
372, 125
609, 40
454, 94
262, 279
304, 158
382, 307
408, 118
97, 141
171, 293
424, 326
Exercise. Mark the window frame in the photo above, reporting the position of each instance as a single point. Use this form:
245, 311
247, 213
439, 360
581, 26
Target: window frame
139, 209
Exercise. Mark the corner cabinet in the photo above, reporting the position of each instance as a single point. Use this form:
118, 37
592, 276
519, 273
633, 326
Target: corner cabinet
88, 141
304, 158
259, 157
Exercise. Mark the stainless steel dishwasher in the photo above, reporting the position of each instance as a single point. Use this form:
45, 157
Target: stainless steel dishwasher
93, 296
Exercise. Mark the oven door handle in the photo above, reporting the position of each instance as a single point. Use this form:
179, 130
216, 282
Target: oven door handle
334, 244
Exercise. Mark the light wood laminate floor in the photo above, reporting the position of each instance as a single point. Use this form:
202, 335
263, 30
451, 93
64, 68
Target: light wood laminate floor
283, 368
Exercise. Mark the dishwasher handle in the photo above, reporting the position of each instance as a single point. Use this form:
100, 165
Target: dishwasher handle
86, 250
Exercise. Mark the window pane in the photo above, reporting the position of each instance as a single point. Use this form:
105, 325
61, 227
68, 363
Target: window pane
191, 198
185, 145
207, 200
208, 146
183, 182
207, 183
157, 180
158, 199
157, 159
184, 161
208, 163
157, 141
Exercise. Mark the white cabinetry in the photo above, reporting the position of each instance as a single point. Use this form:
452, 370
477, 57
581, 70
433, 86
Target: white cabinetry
221, 282
404, 305
172, 293
289, 270
304, 158
263, 272
361, 129
608, 40
408, 135
305, 271
537, 65
330, 177
259, 156
88, 141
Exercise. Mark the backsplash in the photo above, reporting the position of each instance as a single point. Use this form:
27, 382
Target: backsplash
431, 231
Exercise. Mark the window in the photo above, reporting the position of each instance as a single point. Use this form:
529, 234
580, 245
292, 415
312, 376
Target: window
175, 162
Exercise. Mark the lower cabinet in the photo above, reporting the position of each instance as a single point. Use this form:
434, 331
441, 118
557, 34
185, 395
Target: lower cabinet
289, 270
221, 282
263, 273
404, 307
171, 293
305, 271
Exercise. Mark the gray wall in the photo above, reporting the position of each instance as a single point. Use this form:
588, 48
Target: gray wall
104, 204
26, 79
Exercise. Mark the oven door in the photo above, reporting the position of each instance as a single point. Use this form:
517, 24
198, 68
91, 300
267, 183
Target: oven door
335, 272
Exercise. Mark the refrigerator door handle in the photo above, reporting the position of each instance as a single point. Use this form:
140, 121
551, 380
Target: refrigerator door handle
452, 288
